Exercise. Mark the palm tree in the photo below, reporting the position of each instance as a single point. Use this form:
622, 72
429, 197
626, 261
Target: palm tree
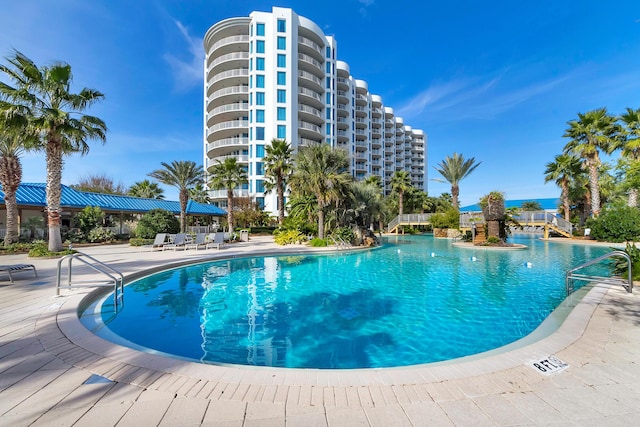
454, 169
183, 175
321, 172
594, 131
561, 171
228, 175
199, 194
400, 183
631, 147
147, 190
55, 113
13, 141
278, 165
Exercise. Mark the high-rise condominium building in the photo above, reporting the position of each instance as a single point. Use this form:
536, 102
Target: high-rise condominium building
277, 76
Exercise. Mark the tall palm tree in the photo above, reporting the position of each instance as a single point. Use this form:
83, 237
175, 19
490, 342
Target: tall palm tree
400, 183
323, 173
278, 164
14, 139
561, 171
146, 189
199, 194
228, 175
56, 114
454, 169
594, 131
631, 147
183, 175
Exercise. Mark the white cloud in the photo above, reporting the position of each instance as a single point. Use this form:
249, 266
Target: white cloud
187, 73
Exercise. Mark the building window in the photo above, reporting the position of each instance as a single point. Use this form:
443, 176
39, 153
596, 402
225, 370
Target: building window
259, 134
328, 83
259, 185
328, 98
250, 47
282, 78
259, 98
328, 113
282, 131
250, 64
250, 116
328, 52
259, 151
260, 46
250, 99
328, 129
282, 43
250, 134
282, 113
282, 26
260, 64
260, 80
260, 29
282, 95
282, 60
260, 202
259, 116
328, 67
250, 82
259, 168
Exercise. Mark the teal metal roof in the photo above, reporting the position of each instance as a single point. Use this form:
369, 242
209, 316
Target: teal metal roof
34, 194
546, 204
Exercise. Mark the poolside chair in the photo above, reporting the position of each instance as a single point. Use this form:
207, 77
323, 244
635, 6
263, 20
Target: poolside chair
178, 242
17, 267
158, 243
199, 241
216, 240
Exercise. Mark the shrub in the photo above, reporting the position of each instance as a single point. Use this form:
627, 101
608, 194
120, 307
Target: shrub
620, 267
89, 218
345, 233
318, 243
140, 242
619, 224
287, 237
493, 240
73, 235
41, 250
100, 235
157, 221
448, 219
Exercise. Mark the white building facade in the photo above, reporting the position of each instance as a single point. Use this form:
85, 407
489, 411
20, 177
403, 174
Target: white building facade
275, 75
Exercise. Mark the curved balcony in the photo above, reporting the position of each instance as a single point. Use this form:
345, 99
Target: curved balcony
228, 95
227, 129
343, 123
342, 97
343, 110
310, 97
309, 130
342, 83
228, 112
310, 114
227, 45
310, 47
389, 142
343, 136
222, 194
221, 147
361, 122
376, 111
361, 99
236, 77
361, 134
308, 63
361, 111
376, 143
310, 80
376, 133
228, 61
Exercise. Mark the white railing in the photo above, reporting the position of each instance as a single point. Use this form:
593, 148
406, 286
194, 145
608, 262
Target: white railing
227, 142
229, 57
240, 72
230, 91
230, 40
309, 92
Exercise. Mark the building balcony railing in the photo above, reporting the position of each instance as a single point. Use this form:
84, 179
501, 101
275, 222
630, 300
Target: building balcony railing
230, 91
229, 124
238, 72
227, 142
308, 42
244, 38
233, 56
222, 194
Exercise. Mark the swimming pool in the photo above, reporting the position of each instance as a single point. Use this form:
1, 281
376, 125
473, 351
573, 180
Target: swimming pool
415, 300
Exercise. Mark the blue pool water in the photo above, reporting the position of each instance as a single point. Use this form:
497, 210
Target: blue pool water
415, 300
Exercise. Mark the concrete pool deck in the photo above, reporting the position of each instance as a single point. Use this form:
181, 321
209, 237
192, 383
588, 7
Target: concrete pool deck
54, 372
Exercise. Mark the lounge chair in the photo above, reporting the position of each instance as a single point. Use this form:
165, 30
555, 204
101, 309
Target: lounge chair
216, 240
178, 242
17, 267
158, 243
199, 241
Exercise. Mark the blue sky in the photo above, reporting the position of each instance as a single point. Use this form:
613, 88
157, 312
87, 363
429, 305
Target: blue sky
492, 80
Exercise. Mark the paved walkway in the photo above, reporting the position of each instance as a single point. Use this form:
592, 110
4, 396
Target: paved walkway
54, 372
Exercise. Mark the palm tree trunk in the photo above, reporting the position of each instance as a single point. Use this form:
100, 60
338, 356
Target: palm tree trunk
455, 192
184, 198
230, 209
280, 200
320, 222
595, 189
54, 193
400, 202
10, 178
565, 200
633, 198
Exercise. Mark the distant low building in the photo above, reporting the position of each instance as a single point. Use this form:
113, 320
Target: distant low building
550, 205
31, 199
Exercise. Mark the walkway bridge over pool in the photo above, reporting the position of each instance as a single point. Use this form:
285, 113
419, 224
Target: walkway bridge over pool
542, 220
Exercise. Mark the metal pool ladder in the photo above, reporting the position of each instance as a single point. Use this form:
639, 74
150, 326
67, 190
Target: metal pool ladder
625, 283
114, 279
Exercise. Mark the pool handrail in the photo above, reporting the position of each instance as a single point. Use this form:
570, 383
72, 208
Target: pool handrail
627, 284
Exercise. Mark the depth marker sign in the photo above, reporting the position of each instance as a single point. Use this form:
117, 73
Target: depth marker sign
549, 365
